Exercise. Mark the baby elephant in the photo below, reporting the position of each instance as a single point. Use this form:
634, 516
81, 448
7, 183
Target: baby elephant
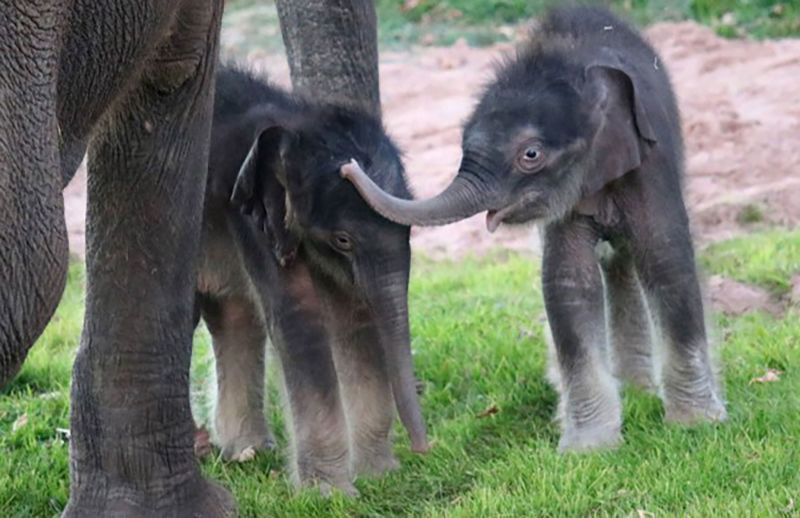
316, 271
581, 133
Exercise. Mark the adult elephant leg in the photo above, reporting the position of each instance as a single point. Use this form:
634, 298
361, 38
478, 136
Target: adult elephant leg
590, 406
33, 237
332, 48
131, 448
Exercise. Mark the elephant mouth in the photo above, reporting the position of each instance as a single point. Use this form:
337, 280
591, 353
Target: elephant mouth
521, 211
494, 218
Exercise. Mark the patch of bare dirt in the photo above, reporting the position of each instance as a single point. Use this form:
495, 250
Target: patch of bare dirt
75, 212
736, 298
794, 294
740, 101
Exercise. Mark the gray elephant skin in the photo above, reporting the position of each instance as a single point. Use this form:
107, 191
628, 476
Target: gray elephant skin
580, 132
313, 267
133, 82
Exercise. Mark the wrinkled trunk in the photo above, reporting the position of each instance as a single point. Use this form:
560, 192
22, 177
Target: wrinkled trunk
333, 56
390, 306
332, 48
461, 199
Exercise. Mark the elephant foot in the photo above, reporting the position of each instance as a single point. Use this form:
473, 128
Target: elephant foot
590, 410
375, 464
691, 396
328, 477
708, 409
198, 498
245, 448
327, 489
592, 421
583, 439
328, 484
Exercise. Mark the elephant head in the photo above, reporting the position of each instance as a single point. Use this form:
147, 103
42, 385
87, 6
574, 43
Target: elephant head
547, 134
291, 182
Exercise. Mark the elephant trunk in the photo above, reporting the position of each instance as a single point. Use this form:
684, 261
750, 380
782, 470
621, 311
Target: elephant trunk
391, 310
463, 198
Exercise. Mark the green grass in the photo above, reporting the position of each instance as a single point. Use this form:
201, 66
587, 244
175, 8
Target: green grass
442, 19
249, 25
768, 259
759, 18
478, 342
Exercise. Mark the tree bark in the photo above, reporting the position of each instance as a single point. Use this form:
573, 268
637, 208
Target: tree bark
332, 48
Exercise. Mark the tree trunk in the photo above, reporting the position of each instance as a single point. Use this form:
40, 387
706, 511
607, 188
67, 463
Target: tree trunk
332, 48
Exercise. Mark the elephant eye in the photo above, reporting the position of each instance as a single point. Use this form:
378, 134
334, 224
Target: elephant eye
531, 158
342, 241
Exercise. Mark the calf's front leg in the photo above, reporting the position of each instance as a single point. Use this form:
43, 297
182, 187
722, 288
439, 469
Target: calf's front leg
665, 263
239, 338
366, 391
317, 423
589, 406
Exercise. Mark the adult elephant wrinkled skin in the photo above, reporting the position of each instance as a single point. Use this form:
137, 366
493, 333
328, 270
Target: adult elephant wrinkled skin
133, 83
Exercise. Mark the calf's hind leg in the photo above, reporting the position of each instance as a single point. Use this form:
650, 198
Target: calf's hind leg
665, 262
630, 327
239, 337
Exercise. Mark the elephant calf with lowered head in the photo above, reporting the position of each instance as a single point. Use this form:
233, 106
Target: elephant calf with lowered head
315, 270
581, 133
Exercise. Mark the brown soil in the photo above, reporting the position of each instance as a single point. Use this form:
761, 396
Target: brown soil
736, 298
741, 107
794, 294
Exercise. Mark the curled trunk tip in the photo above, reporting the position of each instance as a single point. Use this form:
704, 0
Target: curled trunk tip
392, 324
461, 199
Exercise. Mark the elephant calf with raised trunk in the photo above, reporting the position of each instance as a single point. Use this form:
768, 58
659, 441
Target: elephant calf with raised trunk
581, 133
315, 270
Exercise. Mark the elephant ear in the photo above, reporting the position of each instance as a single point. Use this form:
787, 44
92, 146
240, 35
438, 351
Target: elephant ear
260, 190
625, 131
